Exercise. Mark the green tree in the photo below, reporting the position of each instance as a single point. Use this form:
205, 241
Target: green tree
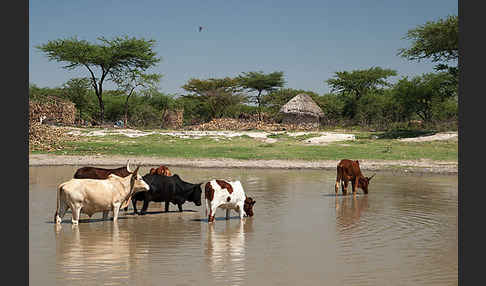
77, 91
437, 41
422, 93
259, 82
358, 83
118, 55
41, 93
216, 95
128, 81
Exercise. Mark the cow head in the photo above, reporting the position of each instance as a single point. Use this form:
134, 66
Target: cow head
248, 206
364, 182
195, 195
137, 184
161, 170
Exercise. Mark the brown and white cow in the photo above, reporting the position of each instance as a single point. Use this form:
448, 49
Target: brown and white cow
161, 170
348, 170
101, 173
97, 195
228, 195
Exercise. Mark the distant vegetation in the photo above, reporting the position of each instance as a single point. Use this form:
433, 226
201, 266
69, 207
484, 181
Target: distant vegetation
363, 98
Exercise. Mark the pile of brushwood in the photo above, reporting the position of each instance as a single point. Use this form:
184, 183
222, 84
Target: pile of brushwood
244, 124
43, 137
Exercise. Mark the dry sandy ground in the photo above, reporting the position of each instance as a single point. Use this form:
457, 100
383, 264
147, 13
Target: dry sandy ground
438, 136
407, 166
321, 137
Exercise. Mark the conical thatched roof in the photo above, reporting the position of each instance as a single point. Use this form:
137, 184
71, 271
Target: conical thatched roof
302, 104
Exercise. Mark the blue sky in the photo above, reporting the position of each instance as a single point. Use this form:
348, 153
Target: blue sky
308, 40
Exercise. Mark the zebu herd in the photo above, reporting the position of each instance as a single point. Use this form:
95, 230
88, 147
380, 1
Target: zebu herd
94, 190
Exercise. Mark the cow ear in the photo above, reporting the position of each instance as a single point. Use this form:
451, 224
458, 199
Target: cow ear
128, 166
253, 202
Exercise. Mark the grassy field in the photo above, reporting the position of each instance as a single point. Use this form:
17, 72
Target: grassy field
367, 146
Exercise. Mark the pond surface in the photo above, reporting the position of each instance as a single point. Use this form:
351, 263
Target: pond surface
405, 232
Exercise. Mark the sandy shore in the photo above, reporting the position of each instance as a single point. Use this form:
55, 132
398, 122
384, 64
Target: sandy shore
405, 166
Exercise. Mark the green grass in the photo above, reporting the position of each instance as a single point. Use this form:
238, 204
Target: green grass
246, 148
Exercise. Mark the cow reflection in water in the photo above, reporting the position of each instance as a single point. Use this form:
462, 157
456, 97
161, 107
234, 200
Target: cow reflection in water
102, 253
226, 251
349, 209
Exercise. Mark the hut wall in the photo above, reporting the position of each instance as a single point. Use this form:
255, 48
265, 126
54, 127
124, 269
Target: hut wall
300, 119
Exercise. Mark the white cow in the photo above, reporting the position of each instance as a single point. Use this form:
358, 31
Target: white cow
94, 195
229, 196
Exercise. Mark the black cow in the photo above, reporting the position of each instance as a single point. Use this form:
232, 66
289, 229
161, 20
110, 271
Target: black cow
169, 190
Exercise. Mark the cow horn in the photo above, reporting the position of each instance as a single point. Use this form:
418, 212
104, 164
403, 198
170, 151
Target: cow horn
128, 165
371, 176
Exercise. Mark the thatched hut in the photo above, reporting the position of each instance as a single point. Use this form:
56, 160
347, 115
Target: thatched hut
301, 110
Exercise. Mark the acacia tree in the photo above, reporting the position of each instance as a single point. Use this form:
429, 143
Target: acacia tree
121, 55
358, 83
437, 41
422, 93
259, 82
216, 94
129, 81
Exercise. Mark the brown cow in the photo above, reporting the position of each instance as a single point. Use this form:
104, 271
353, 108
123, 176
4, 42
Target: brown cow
348, 170
101, 173
162, 170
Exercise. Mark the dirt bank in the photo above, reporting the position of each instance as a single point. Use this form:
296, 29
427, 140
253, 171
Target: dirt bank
406, 166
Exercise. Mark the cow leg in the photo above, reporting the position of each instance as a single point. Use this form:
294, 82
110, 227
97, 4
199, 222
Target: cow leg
338, 178
116, 210
134, 203
76, 212
228, 213
208, 207
180, 207
145, 206
241, 210
105, 215
345, 186
212, 211
62, 211
167, 204
355, 185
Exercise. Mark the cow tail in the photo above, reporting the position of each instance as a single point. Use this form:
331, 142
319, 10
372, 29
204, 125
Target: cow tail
58, 202
205, 204
339, 176
206, 199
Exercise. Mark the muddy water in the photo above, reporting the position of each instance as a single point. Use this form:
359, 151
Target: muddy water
403, 233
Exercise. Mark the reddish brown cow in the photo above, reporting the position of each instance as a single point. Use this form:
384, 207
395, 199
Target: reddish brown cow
101, 173
162, 170
348, 170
